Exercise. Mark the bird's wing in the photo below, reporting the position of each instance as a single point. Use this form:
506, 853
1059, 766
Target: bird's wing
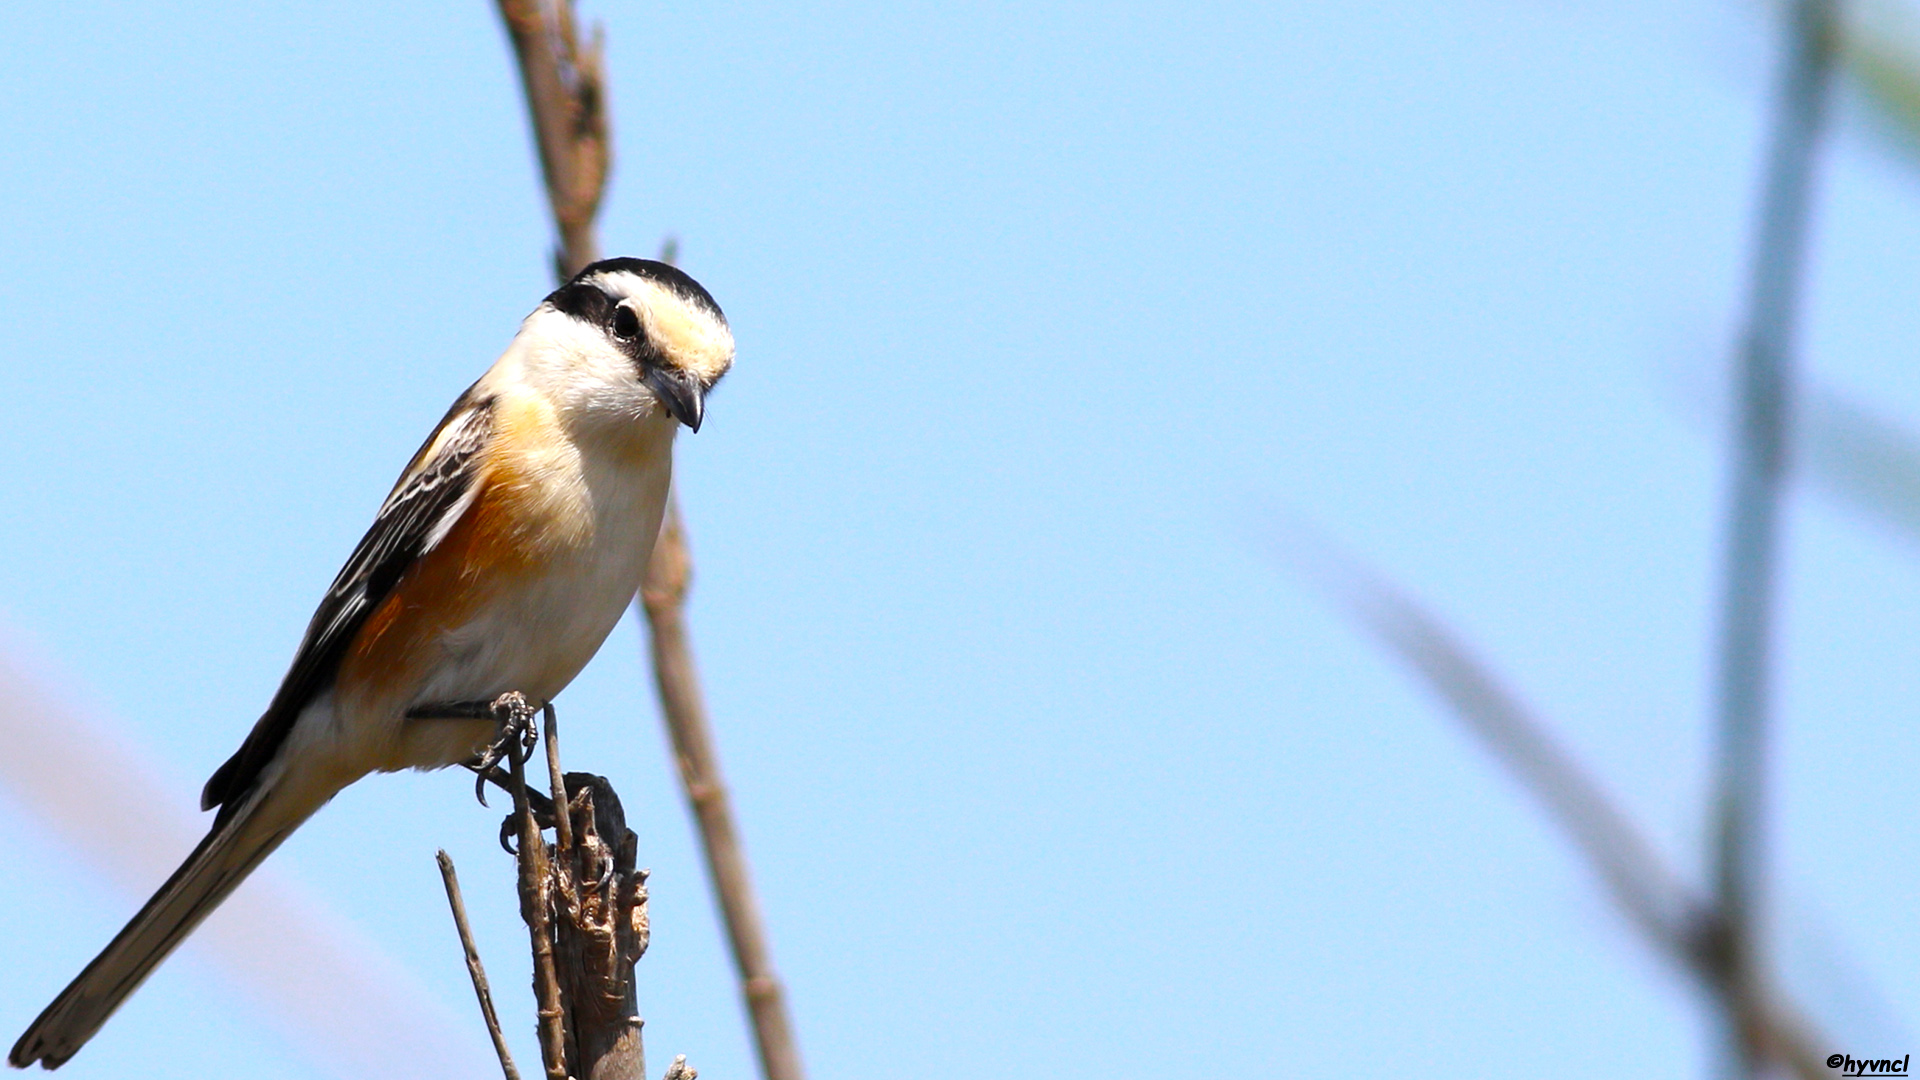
435, 490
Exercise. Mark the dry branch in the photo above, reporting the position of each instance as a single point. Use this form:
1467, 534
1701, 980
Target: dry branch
663, 598
602, 931
475, 970
600, 922
536, 897
584, 903
567, 103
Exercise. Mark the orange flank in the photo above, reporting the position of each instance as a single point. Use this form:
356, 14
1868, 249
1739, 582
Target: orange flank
504, 535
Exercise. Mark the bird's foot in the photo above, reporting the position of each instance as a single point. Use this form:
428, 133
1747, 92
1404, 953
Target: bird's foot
513, 740
518, 733
512, 743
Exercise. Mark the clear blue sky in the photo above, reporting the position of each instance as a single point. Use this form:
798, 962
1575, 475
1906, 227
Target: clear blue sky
1043, 767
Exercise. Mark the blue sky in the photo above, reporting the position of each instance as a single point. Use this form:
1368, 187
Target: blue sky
1041, 761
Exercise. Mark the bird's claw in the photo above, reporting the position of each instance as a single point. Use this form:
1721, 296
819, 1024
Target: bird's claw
542, 810
513, 743
514, 713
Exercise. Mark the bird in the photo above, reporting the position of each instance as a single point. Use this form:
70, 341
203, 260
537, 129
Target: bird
501, 559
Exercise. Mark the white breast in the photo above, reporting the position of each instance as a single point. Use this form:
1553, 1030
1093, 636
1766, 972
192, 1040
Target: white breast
535, 635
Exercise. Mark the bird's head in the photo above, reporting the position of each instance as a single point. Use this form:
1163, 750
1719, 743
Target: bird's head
637, 337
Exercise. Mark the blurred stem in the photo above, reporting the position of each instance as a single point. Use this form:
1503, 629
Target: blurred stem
1674, 917
1753, 522
1883, 63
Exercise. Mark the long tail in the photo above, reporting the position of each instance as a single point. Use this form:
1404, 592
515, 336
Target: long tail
221, 862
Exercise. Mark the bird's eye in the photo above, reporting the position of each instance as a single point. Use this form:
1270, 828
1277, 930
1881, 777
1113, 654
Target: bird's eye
626, 325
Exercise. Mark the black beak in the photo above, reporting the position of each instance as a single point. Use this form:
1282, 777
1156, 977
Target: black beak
680, 394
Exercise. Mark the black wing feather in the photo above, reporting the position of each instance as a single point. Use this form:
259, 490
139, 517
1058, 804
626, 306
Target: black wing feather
412, 519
